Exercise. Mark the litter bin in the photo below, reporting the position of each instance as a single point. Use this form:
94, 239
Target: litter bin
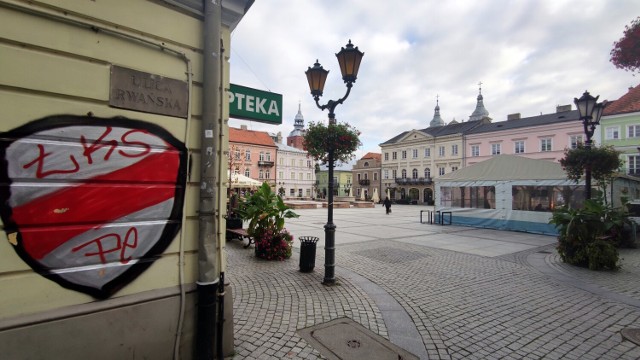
307, 253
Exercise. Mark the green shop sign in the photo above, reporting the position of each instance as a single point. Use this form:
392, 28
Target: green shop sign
257, 105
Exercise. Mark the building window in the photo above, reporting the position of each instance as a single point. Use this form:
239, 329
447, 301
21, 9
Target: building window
441, 171
454, 168
247, 172
633, 131
518, 147
495, 149
268, 156
358, 176
404, 154
404, 173
633, 164
386, 156
394, 155
237, 154
375, 176
394, 173
308, 176
261, 175
293, 176
441, 151
366, 176
574, 140
414, 152
261, 156
386, 174
454, 149
292, 192
247, 155
414, 174
475, 150
427, 152
427, 173
293, 162
612, 133
236, 171
545, 144
267, 174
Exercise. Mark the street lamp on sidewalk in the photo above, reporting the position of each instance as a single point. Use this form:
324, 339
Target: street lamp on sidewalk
349, 59
590, 112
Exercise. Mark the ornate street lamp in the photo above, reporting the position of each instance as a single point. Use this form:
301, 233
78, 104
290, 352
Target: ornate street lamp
590, 112
349, 59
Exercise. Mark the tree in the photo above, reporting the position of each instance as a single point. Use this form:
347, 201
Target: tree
604, 162
626, 51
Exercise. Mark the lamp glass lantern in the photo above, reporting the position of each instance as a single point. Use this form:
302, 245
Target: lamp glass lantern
586, 104
349, 59
316, 76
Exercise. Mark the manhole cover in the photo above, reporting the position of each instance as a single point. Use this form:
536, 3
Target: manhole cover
391, 255
345, 339
632, 335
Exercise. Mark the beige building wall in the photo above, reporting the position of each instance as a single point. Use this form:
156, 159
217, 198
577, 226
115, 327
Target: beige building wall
56, 58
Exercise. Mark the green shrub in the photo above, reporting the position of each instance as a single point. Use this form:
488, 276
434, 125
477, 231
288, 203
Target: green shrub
589, 237
266, 213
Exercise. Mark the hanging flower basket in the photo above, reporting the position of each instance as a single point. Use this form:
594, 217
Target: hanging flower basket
343, 138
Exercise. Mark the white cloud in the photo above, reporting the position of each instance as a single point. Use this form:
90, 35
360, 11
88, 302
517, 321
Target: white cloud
530, 55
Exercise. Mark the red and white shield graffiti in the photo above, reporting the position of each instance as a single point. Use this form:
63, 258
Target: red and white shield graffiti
91, 202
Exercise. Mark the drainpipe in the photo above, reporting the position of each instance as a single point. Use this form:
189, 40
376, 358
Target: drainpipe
208, 268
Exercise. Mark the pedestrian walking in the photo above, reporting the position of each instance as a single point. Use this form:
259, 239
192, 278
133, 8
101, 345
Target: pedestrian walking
387, 205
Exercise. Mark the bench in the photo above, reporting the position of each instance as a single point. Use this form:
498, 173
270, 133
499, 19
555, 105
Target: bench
240, 234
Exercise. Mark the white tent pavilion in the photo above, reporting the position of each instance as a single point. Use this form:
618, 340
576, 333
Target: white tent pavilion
240, 181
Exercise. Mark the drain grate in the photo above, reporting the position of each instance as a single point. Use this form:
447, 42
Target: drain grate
631, 334
346, 339
391, 255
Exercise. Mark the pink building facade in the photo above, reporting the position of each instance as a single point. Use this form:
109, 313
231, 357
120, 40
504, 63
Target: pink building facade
538, 137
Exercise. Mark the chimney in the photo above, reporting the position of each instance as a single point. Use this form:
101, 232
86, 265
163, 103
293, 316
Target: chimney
515, 116
279, 137
563, 108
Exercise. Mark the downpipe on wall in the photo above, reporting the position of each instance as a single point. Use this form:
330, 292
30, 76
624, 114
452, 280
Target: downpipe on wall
208, 267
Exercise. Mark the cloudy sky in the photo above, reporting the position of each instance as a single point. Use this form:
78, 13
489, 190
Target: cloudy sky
530, 55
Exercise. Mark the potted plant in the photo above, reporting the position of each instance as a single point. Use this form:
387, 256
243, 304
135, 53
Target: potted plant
266, 212
343, 138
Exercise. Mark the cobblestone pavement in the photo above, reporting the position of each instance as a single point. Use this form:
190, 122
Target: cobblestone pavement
470, 293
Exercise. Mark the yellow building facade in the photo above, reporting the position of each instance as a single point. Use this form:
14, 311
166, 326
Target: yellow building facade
102, 132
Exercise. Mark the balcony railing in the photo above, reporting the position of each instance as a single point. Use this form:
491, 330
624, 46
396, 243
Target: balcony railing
417, 181
265, 163
364, 182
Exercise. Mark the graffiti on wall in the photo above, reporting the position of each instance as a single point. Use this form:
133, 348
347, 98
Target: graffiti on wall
88, 202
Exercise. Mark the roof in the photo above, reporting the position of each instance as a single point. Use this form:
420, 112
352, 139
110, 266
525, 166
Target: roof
250, 137
546, 119
372, 155
628, 103
449, 129
284, 147
508, 167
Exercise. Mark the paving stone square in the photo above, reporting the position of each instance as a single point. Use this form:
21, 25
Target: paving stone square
460, 292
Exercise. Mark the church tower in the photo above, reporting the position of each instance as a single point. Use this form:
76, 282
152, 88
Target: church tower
437, 120
295, 137
480, 113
